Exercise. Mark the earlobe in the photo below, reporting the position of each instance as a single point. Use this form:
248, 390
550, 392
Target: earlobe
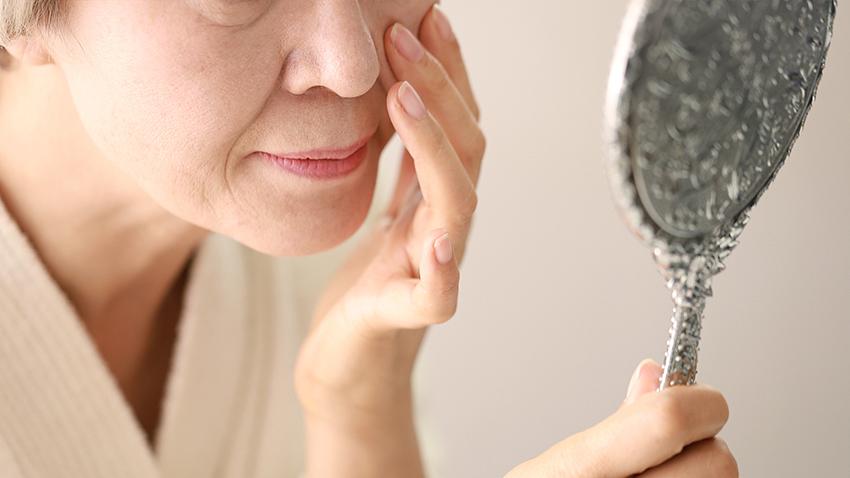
28, 50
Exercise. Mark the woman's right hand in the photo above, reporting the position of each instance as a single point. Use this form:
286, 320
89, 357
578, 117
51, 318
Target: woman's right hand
663, 434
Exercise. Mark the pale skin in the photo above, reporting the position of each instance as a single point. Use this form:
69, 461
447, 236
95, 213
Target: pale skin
138, 151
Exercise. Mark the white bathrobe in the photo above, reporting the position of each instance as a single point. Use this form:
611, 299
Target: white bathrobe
229, 408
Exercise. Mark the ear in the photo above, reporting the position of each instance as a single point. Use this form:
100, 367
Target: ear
28, 50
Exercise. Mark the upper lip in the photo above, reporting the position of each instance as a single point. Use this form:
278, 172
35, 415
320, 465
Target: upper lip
326, 153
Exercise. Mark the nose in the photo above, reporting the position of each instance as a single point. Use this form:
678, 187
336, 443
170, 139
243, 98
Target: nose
337, 52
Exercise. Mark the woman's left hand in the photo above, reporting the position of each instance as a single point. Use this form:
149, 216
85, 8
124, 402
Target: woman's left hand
355, 366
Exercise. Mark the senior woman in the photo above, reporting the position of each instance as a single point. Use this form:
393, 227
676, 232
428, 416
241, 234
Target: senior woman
157, 156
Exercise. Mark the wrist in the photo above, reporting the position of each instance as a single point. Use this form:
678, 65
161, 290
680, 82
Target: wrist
340, 370
356, 404
355, 442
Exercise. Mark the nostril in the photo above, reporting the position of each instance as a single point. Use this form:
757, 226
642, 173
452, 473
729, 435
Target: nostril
349, 71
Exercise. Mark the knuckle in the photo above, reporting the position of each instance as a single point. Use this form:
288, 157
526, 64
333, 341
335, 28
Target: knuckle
448, 313
476, 110
440, 305
449, 305
671, 419
470, 204
441, 312
443, 147
473, 146
436, 141
479, 142
722, 460
724, 407
454, 47
718, 402
465, 210
438, 77
448, 292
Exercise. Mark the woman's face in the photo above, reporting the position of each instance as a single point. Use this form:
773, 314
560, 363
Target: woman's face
180, 93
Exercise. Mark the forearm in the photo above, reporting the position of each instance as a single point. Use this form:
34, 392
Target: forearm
363, 443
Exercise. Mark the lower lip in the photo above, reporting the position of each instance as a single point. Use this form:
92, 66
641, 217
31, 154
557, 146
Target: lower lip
320, 168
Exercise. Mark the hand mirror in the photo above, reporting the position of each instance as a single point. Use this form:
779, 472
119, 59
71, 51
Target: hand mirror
705, 100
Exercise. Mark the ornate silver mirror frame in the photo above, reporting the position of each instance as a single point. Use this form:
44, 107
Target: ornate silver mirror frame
705, 101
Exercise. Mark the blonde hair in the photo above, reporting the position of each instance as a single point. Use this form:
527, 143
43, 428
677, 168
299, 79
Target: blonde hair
21, 17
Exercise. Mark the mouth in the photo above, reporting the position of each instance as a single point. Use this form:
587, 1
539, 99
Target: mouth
324, 163
329, 153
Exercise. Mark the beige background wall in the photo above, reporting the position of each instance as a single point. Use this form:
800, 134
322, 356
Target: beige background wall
559, 301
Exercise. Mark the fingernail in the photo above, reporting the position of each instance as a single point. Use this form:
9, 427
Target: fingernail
635, 376
406, 43
443, 25
443, 249
410, 101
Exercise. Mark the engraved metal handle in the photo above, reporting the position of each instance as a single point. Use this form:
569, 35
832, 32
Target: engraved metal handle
680, 360
689, 271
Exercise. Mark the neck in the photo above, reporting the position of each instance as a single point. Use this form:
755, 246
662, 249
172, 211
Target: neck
109, 246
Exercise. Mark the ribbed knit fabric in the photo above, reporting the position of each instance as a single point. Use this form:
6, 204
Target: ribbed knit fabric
229, 410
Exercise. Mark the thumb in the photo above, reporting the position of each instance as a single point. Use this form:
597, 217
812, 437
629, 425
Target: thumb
645, 379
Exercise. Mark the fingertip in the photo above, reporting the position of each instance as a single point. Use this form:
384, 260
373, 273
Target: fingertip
443, 249
394, 107
654, 367
404, 104
440, 22
438, 250
436, 32
652, 362
411, 102
442, 256
392, 95
652, 372
438, 281
645, 379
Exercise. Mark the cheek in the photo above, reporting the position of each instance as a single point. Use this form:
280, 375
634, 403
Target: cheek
408, 12
383, 14
171, 101
165, 98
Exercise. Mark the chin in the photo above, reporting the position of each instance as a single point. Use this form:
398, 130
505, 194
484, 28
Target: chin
303, 239
312, 228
